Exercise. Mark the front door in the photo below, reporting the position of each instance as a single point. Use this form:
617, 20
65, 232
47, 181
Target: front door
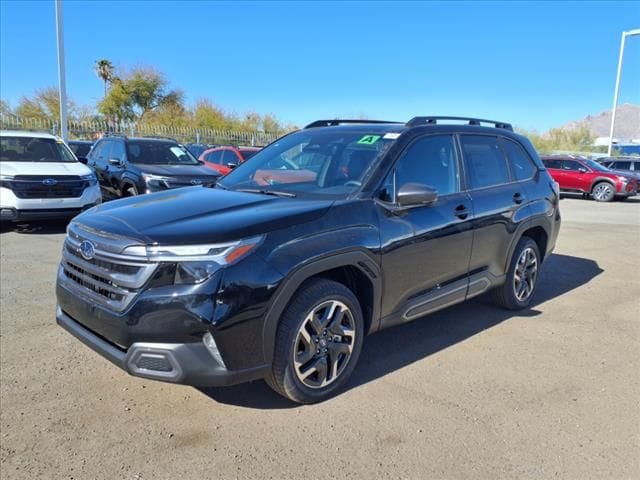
425, 249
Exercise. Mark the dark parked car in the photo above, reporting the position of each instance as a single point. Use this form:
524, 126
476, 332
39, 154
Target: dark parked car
80, 148
581, 175
196, 149
216, 286
625, 165
129, 166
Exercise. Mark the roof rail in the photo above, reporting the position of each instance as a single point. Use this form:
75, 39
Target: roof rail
160, 137
334, 122
113, 134
415, 121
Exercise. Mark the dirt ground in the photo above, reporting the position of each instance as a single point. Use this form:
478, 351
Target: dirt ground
470, 392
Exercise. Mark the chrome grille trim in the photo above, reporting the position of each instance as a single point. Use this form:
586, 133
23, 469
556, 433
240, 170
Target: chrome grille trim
109, 279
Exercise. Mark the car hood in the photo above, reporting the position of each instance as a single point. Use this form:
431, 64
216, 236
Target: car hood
43, 168
627, 173
199, 215
177, 170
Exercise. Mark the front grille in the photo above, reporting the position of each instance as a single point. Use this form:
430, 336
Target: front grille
31, 186
177, 182
109, 279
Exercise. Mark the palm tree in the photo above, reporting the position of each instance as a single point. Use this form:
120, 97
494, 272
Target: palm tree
105, 70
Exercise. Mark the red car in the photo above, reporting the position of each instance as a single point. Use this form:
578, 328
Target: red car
576, 174
225, 159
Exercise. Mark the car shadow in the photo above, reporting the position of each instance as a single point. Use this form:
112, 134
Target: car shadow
44, 227
392, 349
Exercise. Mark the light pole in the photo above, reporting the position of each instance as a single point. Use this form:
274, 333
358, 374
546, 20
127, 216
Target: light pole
626, 34
62, 88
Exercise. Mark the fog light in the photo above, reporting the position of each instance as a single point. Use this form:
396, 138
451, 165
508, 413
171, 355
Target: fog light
7, 212
210, 343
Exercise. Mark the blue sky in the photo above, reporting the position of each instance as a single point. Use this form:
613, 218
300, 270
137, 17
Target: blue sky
536, 64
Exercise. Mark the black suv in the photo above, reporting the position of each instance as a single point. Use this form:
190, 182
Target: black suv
328, 234
128, 166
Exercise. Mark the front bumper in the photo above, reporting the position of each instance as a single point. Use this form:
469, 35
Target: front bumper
184, 363
13, 208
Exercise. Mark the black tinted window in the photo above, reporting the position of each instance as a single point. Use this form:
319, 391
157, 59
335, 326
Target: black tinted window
159, 153
431, 161
80, 149
30, 149
571, 165
214, 157
485, 161
247, 154
521, 165
229, 156
551, 163
621, 165
117, 151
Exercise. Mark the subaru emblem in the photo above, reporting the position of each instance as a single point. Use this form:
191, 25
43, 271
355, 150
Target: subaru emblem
87, 250
49, 182
196, 181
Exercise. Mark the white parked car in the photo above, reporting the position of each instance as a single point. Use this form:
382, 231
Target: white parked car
40, 178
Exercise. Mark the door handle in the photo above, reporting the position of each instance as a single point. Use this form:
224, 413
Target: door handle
518, 198
461, 211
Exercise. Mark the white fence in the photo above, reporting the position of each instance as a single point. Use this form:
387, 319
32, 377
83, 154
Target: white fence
92, 130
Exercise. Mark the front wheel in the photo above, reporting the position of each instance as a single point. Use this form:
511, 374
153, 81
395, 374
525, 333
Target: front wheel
522, 277
130, 191
603, 192
318, 342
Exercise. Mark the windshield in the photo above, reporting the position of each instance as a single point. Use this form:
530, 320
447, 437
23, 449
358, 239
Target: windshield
28, 149
159, 153
596, 166
311, 163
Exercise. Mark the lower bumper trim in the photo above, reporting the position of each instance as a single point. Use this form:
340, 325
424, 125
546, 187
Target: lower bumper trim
184, 363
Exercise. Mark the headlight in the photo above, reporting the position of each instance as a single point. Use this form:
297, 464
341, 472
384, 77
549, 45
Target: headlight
197, 263
155, 180
5, 181
624, 180
91, 178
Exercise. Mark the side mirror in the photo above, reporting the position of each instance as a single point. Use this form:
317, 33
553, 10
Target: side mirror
115, 161
201, 162
582, 170
232, 165
83, 160
412, 194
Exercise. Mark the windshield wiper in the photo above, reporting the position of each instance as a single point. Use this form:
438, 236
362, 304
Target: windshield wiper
267, 192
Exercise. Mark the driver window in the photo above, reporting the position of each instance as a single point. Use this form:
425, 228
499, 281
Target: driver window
430, 160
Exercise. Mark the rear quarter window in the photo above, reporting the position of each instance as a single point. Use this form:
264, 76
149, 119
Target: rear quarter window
521, 164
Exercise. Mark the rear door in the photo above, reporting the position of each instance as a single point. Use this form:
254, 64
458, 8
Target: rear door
499, 203
554, 167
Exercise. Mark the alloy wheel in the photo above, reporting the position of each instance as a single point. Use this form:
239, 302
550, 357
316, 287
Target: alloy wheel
603, 191
525, 274
324, 344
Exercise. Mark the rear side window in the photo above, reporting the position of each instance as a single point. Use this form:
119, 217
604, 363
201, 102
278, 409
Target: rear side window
485, 160
621, 165
552, 163
247, 154
521, 164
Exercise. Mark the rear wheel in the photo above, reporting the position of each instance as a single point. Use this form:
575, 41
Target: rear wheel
603, 192
318, 342
522, 277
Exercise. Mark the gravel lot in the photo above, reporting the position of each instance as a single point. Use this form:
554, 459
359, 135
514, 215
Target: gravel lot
470, 392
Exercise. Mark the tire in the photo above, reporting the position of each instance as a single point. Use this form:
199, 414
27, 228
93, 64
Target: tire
514, 293
603, 192
129, 191
312, 359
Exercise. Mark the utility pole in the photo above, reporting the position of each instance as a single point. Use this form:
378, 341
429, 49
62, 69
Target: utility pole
62, 86
617, 89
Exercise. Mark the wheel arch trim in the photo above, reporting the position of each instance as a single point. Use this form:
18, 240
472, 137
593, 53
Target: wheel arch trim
301, 273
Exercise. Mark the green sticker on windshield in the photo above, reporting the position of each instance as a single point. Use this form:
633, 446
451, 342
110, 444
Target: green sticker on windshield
369, 139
